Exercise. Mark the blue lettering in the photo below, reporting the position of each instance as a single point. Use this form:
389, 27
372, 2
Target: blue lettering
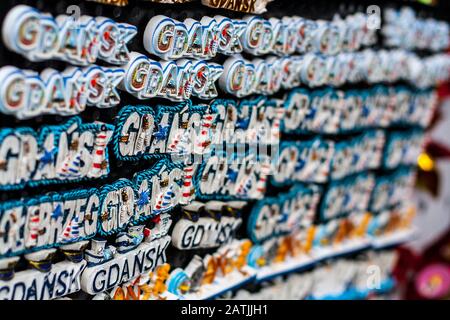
16, 286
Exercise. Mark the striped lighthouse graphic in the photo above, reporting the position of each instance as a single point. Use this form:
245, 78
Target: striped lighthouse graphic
71, 231
187, 188
99, 163
33, 226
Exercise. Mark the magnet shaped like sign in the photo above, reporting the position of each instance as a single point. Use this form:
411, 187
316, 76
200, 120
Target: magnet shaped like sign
305, 161
43, 222
63, 279
248, 6
275, 217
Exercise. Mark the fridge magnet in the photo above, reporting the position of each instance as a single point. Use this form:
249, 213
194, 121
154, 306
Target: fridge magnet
38, 37
70, 152
214, 274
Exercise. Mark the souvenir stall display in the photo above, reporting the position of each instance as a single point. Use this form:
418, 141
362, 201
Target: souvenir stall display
209, 149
